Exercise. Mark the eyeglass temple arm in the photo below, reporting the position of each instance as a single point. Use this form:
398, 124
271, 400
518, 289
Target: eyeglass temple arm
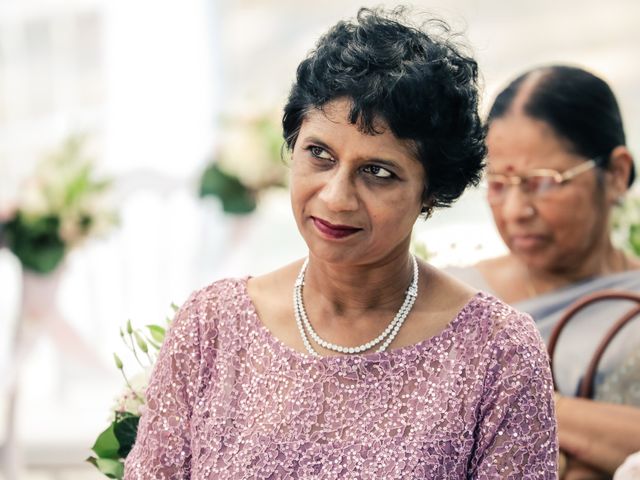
568, 175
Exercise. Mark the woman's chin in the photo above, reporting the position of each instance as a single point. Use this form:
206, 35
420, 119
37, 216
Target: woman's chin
328, 252
534, 260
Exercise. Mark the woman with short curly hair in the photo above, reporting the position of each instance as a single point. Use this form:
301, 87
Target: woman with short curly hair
358, 361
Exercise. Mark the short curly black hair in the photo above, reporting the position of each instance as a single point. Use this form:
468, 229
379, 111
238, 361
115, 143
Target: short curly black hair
421, 84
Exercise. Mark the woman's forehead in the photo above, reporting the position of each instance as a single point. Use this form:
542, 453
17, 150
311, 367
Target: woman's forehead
333, 124
518, 142
340, 110
519, 131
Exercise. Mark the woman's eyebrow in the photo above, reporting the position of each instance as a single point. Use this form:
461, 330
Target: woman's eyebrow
315, 140
388, 163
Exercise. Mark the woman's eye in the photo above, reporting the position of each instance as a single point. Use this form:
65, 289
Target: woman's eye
319, 152
378, 171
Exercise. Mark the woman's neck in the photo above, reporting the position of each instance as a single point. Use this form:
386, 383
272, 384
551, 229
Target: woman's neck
345, 291
610, 261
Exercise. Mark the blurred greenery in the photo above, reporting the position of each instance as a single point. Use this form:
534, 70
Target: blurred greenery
420, 250
116, 441
626, 224
235, 197
248, 162
35, 241
114, 444
634, 239
60, 205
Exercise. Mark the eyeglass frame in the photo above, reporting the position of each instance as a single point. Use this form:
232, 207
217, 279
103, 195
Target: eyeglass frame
559, 178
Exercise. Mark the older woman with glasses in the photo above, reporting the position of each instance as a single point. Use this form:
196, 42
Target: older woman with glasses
557, 165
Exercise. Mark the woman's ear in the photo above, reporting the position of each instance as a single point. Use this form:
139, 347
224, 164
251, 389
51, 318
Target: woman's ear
618, 172
427, 208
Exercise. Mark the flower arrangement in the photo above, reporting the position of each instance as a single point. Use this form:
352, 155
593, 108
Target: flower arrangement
114, 444
248, 162
59, 206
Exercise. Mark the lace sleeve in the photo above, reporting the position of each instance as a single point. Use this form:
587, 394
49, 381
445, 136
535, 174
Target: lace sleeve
162, 449
517, 433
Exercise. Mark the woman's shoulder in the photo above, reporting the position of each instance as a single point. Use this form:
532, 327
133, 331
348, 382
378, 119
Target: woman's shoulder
220, 292
207, 304
511, 341
482, 275
282, 278
271, 293
470, 275
498, 323
217, 309
474, 310
496, 312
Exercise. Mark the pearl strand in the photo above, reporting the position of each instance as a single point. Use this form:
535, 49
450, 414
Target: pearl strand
385, 338
303, 334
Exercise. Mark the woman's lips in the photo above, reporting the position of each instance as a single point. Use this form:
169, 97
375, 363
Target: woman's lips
527, 242
332, 231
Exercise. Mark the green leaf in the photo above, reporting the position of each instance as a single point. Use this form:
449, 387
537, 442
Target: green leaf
215, 181
35, 242
235, 197
157, 332
101, 185
239, 204
107, 444
78, 186
126, 429
109, 467
142, 345
118, 362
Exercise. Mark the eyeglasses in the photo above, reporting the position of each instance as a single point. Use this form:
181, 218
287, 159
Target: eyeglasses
537, 183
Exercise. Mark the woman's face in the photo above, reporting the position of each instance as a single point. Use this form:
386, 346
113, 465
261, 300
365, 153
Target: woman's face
557, 231
355, 197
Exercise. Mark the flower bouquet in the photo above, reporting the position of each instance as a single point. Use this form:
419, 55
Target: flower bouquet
248, 162
59, 206
114, 444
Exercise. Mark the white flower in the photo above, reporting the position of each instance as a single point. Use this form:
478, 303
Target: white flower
132, 399
251, 152
7, 211
64, 186
32, 200
70, 230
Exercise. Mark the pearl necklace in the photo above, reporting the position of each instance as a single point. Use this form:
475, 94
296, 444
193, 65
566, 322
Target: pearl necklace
385, 338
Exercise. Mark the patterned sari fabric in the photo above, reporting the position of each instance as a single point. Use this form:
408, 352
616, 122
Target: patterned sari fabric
229, 400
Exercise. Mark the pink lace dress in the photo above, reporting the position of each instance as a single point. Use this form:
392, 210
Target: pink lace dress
228, 400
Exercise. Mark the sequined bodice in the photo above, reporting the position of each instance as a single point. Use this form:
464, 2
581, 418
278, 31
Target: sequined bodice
228, 400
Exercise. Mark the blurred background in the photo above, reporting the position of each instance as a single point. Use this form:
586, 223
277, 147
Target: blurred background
145, 136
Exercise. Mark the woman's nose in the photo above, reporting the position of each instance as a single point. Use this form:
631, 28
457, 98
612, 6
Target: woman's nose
339, 193
516, 205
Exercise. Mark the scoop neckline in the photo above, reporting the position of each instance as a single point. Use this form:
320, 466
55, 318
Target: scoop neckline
418, 347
